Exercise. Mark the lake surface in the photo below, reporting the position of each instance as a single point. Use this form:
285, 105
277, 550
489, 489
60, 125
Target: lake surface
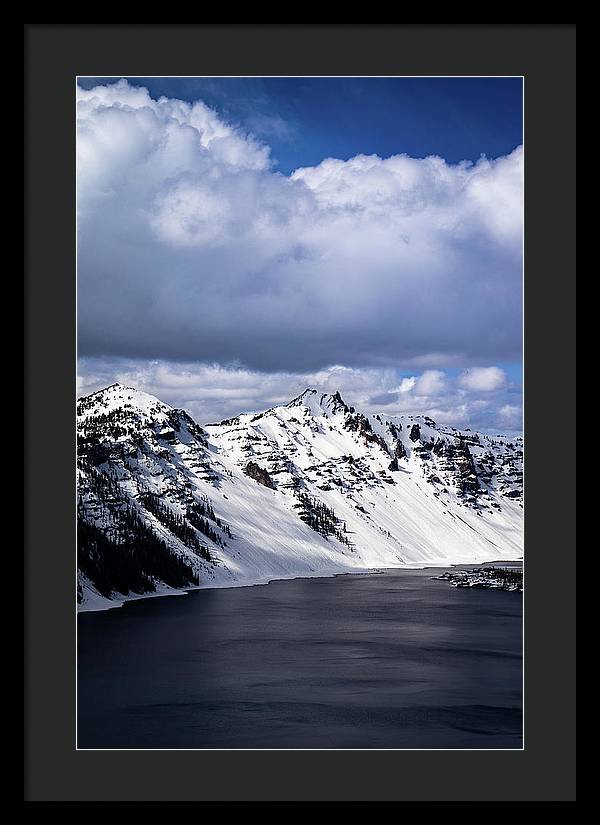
390, 660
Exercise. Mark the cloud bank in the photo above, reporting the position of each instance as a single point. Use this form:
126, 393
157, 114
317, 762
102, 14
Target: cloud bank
211, 392
193, 248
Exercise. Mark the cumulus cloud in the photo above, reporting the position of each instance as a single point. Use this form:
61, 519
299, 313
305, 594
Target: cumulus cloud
483, 379
212, 392
430, 383
191, 248
511, 416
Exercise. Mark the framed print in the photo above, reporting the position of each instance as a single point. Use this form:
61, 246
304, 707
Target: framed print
286, 515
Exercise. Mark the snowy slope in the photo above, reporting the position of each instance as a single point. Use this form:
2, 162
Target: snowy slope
310, 488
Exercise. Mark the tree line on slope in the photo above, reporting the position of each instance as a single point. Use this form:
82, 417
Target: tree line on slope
127, 559
321, 518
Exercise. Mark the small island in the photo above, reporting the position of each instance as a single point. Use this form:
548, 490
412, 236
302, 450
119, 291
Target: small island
496, 578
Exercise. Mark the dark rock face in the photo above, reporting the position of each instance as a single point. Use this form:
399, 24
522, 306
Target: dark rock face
439, 447
373, 438
393, 465
179, 418
468, 483
415, 432
339, 403
399, 450
458, 460
167, 435
357, 422
394, 429
258, 474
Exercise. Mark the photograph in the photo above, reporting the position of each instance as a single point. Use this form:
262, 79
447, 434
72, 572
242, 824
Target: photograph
298, 494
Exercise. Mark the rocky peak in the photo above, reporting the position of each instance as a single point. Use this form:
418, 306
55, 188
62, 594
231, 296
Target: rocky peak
317, 483
118, 412
118, 396
320, 403
301, 399
338, 404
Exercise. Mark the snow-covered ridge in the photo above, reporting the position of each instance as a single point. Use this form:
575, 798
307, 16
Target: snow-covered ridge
313, 487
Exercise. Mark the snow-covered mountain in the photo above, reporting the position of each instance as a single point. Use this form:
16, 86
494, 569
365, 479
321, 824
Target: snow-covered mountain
310, 488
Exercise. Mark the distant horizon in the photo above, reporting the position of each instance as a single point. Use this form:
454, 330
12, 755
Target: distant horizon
298, 396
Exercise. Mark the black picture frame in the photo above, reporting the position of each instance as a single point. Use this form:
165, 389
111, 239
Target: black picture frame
54, 55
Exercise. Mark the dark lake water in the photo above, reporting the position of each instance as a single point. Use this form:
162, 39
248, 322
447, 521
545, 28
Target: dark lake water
391, 660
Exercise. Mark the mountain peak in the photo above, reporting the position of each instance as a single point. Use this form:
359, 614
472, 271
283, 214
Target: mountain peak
298, 489
338, 398
319, 402
119, 395
300, 399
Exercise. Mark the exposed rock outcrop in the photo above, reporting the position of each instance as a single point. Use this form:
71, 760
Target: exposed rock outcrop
253, 470
415, 432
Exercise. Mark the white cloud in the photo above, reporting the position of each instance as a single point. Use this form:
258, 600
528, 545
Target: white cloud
191, 248
511, 416
431, 382
407, 384
483, 379
211, 392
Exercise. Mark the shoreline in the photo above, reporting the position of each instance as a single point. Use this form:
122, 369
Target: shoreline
113, 604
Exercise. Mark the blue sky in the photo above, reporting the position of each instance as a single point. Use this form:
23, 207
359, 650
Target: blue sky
307, 119
241, 238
